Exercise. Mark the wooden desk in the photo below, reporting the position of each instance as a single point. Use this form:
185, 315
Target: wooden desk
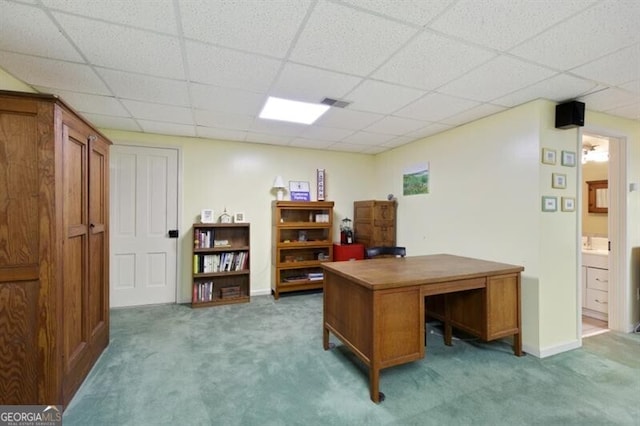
376, 307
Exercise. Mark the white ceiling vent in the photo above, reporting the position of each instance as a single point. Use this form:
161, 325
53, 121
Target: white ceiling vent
335, 103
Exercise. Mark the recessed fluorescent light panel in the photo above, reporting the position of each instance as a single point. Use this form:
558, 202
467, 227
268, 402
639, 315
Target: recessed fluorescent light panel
292, 111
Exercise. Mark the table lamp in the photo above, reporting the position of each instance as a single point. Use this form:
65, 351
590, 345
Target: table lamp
278, 185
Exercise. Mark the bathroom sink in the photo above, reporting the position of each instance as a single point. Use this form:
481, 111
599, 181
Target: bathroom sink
601, 252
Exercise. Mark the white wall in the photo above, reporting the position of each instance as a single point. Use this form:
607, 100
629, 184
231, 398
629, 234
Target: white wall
238, 176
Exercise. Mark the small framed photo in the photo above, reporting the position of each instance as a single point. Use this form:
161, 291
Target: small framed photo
568, 158
548, 156
559, 180
568, 204
239, 217
549, 204
206, 216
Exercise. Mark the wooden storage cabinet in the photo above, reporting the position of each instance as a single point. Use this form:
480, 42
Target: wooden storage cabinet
54, 249
221, 273
374, 223
302, 240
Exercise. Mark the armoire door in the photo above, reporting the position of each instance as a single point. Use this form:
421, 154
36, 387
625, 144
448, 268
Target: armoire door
75, 255
85, 267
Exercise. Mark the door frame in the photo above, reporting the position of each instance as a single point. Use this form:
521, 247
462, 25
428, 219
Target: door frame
179, 202
620, 309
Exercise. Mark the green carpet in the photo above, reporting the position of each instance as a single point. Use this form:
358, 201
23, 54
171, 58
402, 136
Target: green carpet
262, 363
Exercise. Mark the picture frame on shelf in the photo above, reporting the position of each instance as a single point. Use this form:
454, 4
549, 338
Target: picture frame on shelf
548, 156
549, 204
559, 180
568, 204
568, 158
239, 217
207, 216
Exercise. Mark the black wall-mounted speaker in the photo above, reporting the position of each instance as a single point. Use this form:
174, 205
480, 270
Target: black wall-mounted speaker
569, 114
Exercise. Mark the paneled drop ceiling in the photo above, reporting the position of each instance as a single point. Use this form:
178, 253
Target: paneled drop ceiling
410, 68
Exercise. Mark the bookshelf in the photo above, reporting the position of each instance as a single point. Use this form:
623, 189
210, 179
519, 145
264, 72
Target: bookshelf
220, 264
302, 240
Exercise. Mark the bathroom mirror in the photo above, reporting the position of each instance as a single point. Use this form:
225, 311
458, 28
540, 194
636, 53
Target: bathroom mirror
598, 196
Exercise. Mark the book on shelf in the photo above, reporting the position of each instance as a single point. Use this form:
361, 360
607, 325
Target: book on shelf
203, 292
203, 238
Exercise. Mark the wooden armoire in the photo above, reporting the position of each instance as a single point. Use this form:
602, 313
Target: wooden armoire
54, 249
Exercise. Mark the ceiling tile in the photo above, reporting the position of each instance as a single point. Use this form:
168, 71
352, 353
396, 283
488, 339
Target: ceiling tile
326, 133
84, 103
350, 147
276, 127
108, 122
367, 138
435, 107
266, 27
227, 68
156, 112
399, 141
310, 143
223, 120
345, 118
416, 12
144, 88
473, 114
151, 15
164, 128
391, 125
481, 84
631, 111
268, 138
52, 73
236, 101
632, 86
373, 150
429, 130
414, 64
618, 68
110, 45
504, 24
596, 32
383, 98
340, 38
222, 134
303, 83
609, 99
558, 88
29, 30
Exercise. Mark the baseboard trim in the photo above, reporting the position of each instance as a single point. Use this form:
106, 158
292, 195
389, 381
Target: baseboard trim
263, 292
552, 350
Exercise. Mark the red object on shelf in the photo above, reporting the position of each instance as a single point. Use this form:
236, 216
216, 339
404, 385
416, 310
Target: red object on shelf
348, 252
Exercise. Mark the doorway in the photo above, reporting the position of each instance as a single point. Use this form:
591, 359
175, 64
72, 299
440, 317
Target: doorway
596, 279
144, 208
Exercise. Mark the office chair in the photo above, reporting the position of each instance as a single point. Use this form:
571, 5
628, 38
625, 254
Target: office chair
385, 252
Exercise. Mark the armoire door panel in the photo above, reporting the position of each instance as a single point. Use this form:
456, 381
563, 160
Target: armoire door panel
73, 296
18, 190
19, 342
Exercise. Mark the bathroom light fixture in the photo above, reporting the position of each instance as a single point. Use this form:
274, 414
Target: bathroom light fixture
292, 111
278, 185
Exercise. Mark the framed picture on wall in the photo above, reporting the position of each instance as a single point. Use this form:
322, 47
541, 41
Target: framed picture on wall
549, 204
559, 180
206, 216
548, 156
568, 158
568, 204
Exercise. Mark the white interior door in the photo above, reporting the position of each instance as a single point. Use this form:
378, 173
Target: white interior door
144, 207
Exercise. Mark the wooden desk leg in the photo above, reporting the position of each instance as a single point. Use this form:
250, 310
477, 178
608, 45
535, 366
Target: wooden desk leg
447, 322
325, 338
517, 344
374, 385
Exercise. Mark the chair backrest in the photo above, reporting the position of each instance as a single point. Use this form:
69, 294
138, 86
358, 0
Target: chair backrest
386, 252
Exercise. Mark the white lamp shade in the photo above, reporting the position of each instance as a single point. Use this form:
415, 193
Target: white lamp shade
278, 182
